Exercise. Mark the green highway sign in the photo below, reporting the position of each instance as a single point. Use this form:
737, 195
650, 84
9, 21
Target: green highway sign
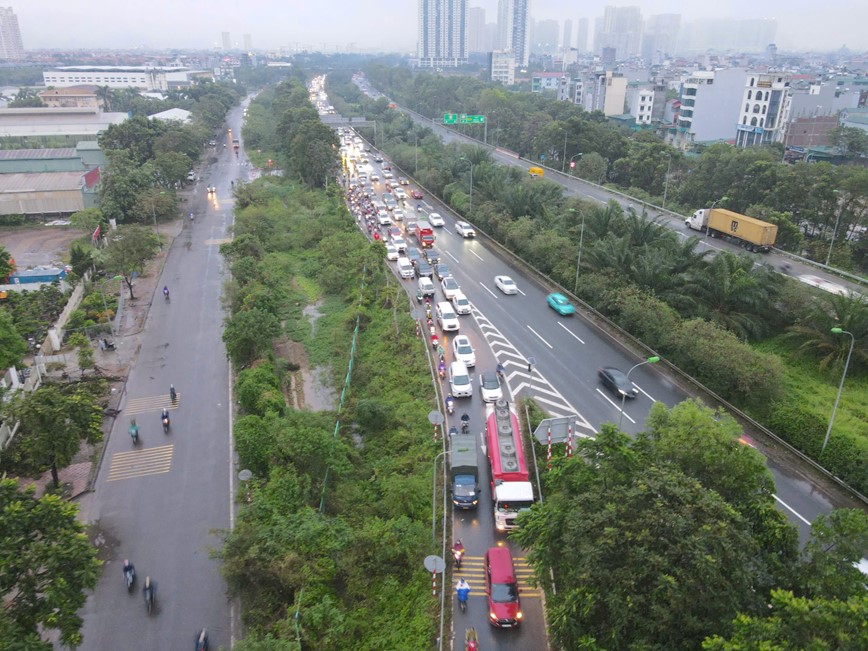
450, 118
472, 119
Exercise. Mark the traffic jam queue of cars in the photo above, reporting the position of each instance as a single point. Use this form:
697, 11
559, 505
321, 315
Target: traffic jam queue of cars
382, 205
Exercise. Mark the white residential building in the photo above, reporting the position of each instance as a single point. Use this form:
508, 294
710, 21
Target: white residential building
709, 106
642, 105
766, 109
503, 67
442, 33
11, 47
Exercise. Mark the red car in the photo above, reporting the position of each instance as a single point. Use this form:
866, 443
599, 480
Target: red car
501, 588
416, 194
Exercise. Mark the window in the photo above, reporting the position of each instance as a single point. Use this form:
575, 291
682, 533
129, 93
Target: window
756, 108
753, 122
752, 80
749, 94
747, 107
764, 109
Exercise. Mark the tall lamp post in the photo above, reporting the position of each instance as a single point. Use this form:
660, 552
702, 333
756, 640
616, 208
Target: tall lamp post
581, 241
712, 208
572, 158
834, 231
650, 360
471, 184
839, 331
666, 184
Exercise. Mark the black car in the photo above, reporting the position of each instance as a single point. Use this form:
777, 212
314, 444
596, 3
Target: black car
423, 268
616, 381
413, 254
432, 256
441, 270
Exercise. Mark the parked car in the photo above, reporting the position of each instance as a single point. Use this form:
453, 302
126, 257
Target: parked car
505, 284
617, 382
560, 304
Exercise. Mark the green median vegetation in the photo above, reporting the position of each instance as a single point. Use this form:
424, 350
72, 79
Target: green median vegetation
327, 550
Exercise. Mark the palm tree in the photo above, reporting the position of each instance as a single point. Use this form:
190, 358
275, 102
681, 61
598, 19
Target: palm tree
848, 312
733, 292
105, 95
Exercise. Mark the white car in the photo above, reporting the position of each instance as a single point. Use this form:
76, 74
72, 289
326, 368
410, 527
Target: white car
463, 350
460, 303
459, 380
375, 178
400, 244
391, 252
505, 284
464, 229
489, 387
398, 215
388, 175
450, 287
435, 219
446, 317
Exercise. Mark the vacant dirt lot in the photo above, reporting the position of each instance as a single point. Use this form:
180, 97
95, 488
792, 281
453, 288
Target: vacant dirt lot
31, 247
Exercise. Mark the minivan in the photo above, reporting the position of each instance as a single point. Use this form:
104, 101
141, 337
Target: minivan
405, 267
501, 588
426, 286
459, 380
446, 316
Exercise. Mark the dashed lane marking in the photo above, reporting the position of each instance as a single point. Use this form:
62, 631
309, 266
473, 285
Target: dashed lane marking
150, 403
141, 463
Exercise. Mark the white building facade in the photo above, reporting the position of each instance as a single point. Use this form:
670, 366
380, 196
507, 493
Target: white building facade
766, 109
442, 33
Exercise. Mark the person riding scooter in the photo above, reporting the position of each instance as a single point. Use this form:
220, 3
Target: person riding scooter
458, 553
164, 418
450, 403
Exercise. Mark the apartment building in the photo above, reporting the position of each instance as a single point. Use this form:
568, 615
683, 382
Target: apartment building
766, 109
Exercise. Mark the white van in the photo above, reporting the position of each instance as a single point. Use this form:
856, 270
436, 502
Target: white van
405, 267
446, 317
426, 286
459, 380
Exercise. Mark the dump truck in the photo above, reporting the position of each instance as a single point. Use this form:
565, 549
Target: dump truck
464, 472
751, 233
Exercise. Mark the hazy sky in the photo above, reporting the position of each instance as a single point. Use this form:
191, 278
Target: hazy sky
377, 24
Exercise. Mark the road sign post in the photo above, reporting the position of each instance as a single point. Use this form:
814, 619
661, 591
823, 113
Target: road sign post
450, 118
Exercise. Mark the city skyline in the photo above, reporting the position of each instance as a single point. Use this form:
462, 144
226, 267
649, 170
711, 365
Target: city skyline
273, 24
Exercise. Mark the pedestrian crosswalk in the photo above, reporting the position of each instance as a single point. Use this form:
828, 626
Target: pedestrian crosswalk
140, 463
150, 403
533, 383
473, 571
218, 241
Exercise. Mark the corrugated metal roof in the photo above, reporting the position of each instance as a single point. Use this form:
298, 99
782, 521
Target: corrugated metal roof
37, 154
42, 182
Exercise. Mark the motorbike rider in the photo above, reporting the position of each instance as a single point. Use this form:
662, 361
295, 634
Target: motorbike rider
499, 370
458, 551
149, 590
173, 395
164, 417
129, 568
450, 402
166, 291
465, 422
441, 368
462, 590
202, 640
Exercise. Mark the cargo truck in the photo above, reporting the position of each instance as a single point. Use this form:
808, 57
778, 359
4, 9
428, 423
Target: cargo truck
751, 233
464, 472
425, 235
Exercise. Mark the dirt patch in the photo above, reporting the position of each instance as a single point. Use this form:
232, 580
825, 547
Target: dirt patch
31, 247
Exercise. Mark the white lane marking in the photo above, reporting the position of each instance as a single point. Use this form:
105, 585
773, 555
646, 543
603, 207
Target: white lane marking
578, 338
540, 338
520, 292
477, 255
452, 256
446, 229
643, 392
792, 510
617, 406
488, 290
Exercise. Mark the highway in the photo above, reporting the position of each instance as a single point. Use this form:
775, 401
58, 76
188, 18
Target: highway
164, 501
567, 352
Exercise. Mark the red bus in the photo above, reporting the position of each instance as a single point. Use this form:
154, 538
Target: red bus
511, 489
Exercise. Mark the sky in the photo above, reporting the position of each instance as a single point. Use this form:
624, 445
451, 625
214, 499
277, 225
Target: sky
378, 25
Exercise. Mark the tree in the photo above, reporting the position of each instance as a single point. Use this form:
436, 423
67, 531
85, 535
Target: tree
313, 153
53, 423
87, 220
7, 265
798, 623
814, 330
129, 249
12, 344
47, 566
249, 333
27, 98
83, 349
631, 543
851, 141
838, 541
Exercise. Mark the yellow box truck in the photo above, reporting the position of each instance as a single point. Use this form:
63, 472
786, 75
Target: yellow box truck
751, 233
536, 171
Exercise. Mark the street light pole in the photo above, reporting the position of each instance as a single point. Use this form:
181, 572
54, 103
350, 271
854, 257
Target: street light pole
434, 497
666, 185
838, 331
834, 231
709, 210
415, 150
581, 242
564, 156
471, 189
650, 360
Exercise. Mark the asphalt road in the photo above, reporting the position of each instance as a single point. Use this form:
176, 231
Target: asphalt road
165, 500
567, 352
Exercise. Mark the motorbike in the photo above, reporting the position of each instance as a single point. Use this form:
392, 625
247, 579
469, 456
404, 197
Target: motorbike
462, 598
457, 554
129, 576
450, 404
166, 293
149, 594
165, 419
202, 641
465, 423
471, 640
134, 432
173, 395
441, 370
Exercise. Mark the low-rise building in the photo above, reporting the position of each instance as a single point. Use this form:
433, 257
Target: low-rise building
766, 109
503, 67
83, 96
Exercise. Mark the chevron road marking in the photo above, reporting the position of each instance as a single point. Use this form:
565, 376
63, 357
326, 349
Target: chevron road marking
140, 463
150, 403
515, 365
